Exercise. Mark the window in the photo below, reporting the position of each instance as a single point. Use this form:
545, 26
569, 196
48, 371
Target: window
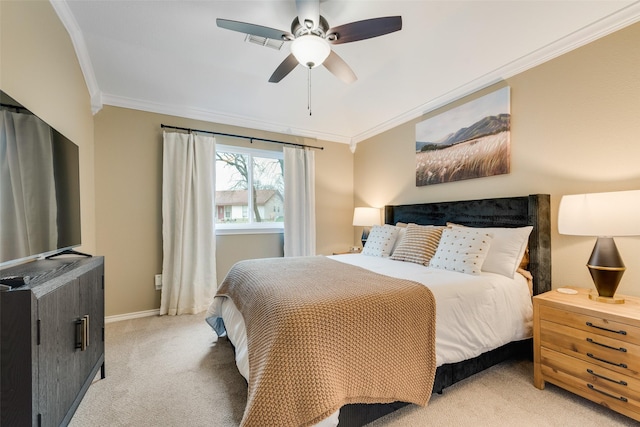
249, 190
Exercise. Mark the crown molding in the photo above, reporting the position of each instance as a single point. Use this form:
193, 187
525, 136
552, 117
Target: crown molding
218, 117
603, 27
77, 39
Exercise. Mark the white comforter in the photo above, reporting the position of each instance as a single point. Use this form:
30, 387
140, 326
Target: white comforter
474, 314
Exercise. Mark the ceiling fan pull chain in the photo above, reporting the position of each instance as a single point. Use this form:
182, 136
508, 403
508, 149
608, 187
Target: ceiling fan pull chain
309, 90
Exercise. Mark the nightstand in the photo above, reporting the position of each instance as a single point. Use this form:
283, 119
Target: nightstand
589, 348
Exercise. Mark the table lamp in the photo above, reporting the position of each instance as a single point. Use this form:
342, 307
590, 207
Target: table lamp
605, 216
366, 217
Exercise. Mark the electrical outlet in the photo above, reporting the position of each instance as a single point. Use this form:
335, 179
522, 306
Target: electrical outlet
158, 282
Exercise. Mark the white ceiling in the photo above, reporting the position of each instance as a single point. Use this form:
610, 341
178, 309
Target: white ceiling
168, 56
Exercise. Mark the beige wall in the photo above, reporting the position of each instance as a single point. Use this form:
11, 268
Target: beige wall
129, 221
39, 69
575, 128
120, 204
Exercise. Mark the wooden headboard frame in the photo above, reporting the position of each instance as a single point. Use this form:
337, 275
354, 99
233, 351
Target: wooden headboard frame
531, 210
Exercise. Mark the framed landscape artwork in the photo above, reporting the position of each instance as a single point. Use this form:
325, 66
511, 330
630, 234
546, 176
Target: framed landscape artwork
470, 141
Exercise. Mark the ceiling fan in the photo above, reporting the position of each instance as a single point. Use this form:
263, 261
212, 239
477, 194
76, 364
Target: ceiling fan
311, 38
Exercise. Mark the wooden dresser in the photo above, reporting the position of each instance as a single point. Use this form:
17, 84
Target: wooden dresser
589, 348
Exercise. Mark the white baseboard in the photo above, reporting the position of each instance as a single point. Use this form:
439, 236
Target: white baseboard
129, 316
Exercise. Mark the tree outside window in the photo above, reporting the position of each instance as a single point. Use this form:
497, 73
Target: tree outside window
249, 187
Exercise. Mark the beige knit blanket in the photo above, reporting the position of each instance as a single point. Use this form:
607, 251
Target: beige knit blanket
322, 334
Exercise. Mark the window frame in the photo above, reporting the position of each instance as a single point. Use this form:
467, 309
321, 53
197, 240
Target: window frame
251, 227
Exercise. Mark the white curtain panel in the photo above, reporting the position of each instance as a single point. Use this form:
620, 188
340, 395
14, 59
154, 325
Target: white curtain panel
299, 202
27, 187
188, 223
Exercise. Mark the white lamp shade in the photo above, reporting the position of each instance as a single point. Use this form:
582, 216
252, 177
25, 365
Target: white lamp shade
366, 217
600, 214
310, 50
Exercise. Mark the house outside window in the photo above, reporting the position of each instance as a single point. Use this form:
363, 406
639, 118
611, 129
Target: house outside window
249, 190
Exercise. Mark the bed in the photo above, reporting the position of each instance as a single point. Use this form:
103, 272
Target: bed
509, 213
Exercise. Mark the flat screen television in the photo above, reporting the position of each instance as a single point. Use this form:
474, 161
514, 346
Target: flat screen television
39, 187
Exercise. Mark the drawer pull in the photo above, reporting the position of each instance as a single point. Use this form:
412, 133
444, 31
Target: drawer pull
82, 333
622, 365
620, 382
620, 398
605, 329
622, 349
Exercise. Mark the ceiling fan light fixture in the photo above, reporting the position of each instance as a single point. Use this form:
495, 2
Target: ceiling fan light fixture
310, 50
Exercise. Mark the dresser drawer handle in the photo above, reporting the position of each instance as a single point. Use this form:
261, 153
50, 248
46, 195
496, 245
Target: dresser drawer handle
622, 365
620, 398
620, 382
622, 349
605, 329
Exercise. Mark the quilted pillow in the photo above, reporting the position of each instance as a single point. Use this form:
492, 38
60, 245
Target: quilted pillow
418, 244
507, 248
462, 249
381, 240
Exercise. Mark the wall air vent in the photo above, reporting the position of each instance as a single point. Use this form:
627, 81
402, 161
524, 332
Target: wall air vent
273, 44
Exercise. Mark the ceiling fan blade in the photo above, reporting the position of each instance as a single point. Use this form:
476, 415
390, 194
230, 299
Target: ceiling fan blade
308, 13
339, 68
284, 68
256, 30
362, 30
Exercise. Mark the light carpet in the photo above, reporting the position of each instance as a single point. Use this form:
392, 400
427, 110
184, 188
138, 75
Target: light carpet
171, 371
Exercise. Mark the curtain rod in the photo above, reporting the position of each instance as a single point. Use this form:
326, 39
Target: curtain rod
16, 107
251, 139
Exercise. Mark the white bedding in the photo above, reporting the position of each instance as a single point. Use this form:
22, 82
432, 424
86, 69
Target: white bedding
474, 314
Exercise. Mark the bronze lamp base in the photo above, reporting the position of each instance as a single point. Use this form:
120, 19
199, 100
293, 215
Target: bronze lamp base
606, 268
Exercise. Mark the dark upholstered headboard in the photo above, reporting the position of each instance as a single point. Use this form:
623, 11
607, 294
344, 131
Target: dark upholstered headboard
531, 210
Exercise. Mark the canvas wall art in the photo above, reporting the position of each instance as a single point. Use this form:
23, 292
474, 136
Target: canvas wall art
470, 141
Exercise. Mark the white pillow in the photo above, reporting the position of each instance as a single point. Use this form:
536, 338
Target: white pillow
402, 228
381, 240
507, 248
461, 249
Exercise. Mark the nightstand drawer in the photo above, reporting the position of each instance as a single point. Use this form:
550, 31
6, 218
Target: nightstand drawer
592, 382
617, 355
592, 324
600, 377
